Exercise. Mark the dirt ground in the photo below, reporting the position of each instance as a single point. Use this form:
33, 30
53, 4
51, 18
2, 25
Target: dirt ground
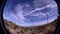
45, 29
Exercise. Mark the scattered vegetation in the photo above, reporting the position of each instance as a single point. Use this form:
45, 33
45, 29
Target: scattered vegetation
44, 29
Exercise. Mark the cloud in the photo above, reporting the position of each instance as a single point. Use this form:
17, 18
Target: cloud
48, 6
9, 15
18, 18
19, 12
37, 23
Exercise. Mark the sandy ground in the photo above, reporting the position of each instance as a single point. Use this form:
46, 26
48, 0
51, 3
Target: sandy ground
45, 29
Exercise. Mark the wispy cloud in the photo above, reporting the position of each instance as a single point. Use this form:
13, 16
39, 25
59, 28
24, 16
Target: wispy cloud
48, 6
19, 17
37, 23
19, 12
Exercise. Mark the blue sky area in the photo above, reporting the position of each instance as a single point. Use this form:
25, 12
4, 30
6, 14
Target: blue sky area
33, 16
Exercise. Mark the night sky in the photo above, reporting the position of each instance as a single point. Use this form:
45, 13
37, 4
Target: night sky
30, 12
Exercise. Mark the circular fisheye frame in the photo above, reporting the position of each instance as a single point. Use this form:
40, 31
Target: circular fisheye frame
30, 13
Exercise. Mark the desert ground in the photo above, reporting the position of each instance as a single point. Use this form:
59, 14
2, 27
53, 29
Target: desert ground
44, 29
